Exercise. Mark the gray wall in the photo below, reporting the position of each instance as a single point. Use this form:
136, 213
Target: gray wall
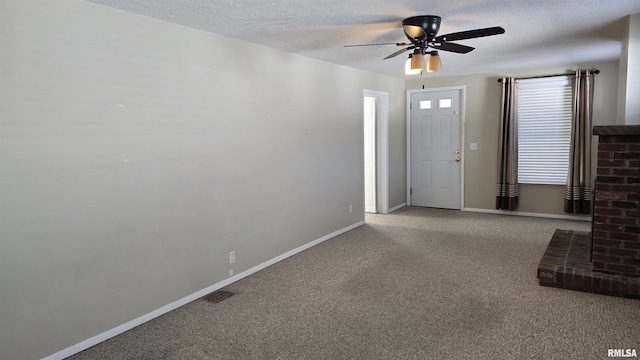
135, 154
482, 115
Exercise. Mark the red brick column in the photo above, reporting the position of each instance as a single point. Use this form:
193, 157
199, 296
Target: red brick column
616, 215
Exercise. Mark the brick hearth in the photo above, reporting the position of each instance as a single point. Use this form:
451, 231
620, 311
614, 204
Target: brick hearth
566, 264
606, 261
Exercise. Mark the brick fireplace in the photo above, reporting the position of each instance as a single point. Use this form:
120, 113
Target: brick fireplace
606, 260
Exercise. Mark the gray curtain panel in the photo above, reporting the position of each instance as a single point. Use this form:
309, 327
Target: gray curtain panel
507, 184
577, 199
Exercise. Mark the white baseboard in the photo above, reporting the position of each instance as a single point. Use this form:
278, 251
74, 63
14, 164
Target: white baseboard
397, 208
187, 299
531, 214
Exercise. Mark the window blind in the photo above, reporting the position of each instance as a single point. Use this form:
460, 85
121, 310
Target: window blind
544, 130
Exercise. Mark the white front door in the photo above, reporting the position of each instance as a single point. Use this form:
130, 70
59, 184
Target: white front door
435, 149
370, 154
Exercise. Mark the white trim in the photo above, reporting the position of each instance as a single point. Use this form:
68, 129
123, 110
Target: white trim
83, 345
531, 214
370, 127
408, 141
382, 148
463, 142
396, 208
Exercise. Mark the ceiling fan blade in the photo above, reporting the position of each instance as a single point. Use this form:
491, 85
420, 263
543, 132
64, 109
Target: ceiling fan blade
471, 34
378, 44
399, 52
453, 47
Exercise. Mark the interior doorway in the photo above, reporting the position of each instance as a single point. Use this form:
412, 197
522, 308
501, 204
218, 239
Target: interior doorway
370, 201
375, 107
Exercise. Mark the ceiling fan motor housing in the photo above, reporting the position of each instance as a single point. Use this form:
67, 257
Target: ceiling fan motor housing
421, 28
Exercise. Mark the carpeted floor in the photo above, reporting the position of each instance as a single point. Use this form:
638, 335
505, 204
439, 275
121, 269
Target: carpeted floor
416, 284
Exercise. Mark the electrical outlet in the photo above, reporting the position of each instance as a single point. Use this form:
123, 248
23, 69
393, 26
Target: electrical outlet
350, 208
230, 272
232, 257
473, 146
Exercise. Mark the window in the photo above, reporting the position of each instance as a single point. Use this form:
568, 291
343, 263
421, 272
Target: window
425, 104
544, 130
444, 103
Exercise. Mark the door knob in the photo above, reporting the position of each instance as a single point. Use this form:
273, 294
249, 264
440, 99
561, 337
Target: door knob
457, 159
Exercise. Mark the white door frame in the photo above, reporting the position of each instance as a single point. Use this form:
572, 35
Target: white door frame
463, 95
382, 148
370, 156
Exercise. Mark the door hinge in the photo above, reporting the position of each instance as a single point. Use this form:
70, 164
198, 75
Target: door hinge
410, 191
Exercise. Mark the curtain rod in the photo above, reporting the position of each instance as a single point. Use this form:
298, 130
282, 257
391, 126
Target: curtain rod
546, 76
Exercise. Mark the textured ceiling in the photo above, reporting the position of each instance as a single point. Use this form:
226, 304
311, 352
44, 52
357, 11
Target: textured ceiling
539, 33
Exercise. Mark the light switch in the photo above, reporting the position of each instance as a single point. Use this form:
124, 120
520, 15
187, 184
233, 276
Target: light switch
473, 146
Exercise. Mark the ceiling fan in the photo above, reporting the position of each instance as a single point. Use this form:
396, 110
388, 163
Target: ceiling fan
422, 33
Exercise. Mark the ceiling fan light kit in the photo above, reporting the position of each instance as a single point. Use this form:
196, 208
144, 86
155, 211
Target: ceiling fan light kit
434, 64
417, 62
422, 33
407, 67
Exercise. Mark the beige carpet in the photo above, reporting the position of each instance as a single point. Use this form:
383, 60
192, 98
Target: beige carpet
416, 284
